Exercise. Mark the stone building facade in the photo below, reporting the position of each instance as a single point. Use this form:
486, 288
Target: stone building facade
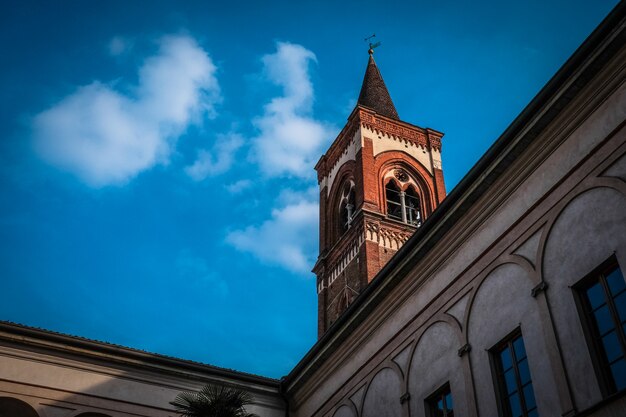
508, 299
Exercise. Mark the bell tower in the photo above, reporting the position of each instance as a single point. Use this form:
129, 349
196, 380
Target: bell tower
379, 180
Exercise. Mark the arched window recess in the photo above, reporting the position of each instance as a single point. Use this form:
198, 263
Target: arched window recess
412, 207
402, 205
395, 201
346, 206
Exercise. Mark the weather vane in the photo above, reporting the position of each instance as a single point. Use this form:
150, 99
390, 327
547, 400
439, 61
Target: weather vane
372, 45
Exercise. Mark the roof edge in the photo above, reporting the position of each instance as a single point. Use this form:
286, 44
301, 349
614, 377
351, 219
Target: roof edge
475, 176
57, 341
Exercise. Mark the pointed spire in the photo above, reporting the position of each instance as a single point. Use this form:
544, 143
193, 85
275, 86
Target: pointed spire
374, 94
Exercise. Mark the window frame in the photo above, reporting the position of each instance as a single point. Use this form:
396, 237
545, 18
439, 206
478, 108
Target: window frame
417, 208
431, 401
597, 352
398, 189
497, 373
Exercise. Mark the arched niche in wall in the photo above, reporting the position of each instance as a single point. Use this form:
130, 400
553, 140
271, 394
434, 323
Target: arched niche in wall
588, 229
12, 407
435, 362
383, 395
343, 191
502, 304
344, 411
407, 171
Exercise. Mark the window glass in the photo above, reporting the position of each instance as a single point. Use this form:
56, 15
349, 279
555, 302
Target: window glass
604, 300
524, 372
619, 372
440, 403
620, 306
514, 381
412, 206
603, 318
394, 205
616, 281
596, 295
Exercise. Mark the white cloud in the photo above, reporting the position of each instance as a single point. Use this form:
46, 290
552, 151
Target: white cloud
238, 186
290, 140
216, 161
119, 45
106, 137
288, 238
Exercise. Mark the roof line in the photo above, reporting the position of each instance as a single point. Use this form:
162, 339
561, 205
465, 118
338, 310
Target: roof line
124, 352
427, 235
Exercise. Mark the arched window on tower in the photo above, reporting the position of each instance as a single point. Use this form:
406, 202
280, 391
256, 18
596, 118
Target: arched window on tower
394, 200
346, 207
412, 207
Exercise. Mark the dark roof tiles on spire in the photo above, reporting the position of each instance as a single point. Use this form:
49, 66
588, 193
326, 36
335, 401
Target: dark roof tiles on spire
374, 94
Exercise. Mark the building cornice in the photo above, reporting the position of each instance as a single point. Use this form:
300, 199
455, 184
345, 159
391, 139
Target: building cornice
590, 58
363, 116
87, 350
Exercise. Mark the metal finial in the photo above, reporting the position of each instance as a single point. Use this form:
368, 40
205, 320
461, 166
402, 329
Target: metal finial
372, 45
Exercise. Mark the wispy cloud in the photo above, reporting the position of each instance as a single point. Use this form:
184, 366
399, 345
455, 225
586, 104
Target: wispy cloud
216, 161
288, 238
119, 45
290, 139
106, 137
238, 186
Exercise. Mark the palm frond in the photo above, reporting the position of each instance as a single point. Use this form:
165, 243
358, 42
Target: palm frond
213, 401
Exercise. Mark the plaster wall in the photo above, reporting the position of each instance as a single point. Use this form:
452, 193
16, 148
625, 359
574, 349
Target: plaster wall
61, 387
567, 188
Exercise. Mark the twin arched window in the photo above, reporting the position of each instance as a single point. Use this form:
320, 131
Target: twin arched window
403, 205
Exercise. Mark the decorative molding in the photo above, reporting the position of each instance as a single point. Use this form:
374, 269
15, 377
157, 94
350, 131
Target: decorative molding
397, 130
405, 397
401, 175
347, 255
336, 150
466, 348
384, 236
539, 288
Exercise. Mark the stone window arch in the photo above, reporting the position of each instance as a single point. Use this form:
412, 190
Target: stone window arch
346, 206
403, 201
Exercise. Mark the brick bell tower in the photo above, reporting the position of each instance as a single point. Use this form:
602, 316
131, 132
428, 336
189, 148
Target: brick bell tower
379, 180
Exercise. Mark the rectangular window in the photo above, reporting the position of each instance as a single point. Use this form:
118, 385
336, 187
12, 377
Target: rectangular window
440, 403
603, 304
514, 386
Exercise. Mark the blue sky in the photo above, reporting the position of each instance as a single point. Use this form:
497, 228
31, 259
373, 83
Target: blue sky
156, 158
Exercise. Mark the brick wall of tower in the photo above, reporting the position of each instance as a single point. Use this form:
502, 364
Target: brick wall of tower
374, 250
321, 312
440, 186
323, 224
366, 170
350, 280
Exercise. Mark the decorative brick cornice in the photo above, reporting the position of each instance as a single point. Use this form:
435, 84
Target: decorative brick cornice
426, 138
387, 237
328, 160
